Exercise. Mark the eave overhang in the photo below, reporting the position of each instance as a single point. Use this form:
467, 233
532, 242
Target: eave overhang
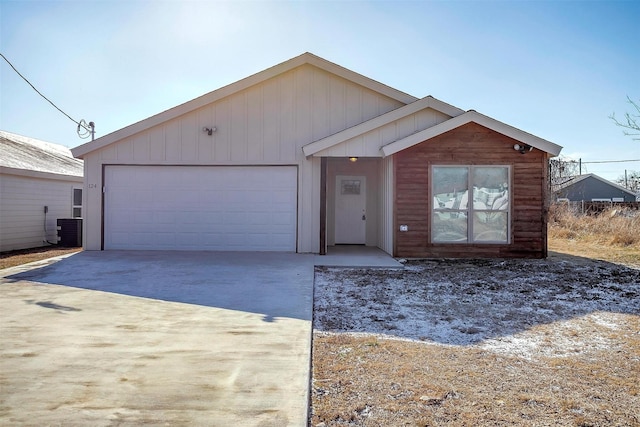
211, 97
377, 122
468, 117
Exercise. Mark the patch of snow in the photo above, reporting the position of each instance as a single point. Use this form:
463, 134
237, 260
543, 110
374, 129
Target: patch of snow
496, 305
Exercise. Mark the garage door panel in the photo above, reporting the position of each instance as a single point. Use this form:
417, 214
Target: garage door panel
201, 208
283, 219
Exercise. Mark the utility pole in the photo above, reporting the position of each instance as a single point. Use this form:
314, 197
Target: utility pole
84, 129
626, 182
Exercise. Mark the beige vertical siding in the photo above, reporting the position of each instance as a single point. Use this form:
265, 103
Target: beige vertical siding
368, 144
266, 124
386, 224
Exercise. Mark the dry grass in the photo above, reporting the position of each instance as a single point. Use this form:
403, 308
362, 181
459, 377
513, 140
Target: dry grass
373, 381
377, 382
24, 256
612, 236
614, 227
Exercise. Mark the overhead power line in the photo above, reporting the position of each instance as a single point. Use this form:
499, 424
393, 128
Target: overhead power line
612, 161
90, 130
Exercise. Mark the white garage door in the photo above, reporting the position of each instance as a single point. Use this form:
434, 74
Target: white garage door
215, 208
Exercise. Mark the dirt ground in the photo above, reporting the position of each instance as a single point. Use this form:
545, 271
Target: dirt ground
24, 256
478, 342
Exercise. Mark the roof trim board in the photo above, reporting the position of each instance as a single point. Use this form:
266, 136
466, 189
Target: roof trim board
4, 170
471, 116
377, 122
208, 98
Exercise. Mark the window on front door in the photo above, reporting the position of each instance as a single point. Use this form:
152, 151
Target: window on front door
470, 204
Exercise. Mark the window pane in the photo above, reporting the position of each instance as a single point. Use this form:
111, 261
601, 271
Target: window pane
350, 186
77, 212
77, 197
449, 227
450, 185
491, 188
490, 227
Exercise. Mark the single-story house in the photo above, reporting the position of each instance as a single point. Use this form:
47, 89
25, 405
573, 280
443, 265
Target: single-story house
40, 182
306, 155
592, 188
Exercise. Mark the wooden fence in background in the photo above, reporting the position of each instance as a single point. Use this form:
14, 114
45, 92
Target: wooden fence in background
594, 208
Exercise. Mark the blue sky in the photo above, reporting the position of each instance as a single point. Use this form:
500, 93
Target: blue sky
556, 69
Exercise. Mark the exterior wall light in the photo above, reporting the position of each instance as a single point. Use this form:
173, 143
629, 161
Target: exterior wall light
353, 159
522, 148
210, 130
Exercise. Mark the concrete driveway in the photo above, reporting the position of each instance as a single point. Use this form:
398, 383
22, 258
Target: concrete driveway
157, 338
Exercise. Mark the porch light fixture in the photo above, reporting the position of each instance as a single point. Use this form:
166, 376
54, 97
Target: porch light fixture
522, 148
353, 159
210, 130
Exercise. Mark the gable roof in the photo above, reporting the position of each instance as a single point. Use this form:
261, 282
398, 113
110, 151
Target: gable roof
377, 122
458, 118
475, 117
305, 58
412, 105
22, 155
579, 178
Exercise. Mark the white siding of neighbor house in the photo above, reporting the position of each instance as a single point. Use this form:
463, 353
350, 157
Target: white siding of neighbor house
265, 124
22, 218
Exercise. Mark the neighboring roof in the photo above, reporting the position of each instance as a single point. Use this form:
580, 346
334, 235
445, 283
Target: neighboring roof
468, 117
305, 58
24, 156
578, 178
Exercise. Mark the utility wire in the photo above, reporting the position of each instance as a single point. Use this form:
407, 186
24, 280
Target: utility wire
613, 161
40, 93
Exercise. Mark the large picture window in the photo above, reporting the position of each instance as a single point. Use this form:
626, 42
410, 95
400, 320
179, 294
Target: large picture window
470, 204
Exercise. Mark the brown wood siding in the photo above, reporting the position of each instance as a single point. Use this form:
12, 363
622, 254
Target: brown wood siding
470, 144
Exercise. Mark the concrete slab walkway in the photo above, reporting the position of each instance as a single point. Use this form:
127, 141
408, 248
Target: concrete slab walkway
157, 338
356, 256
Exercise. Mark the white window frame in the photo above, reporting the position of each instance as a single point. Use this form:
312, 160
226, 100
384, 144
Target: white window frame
73, 200
470, 209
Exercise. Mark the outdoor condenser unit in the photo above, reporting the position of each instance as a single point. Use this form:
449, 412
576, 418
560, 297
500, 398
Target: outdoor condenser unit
70, 232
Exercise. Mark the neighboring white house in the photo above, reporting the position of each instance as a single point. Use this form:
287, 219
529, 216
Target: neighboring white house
302, 156
36, 174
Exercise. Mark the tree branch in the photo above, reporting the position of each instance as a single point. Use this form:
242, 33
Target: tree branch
630, 121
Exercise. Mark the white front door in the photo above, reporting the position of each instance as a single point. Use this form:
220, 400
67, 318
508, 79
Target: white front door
351, 215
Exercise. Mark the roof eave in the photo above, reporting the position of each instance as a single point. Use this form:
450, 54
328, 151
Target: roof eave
211, 97
379, 121
468, 117
40, 174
